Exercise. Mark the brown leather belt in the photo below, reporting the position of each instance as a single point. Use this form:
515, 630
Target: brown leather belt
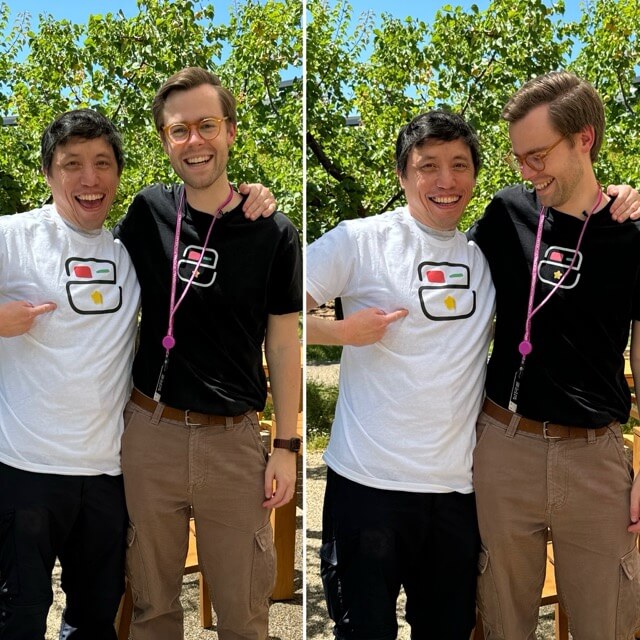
189, 418
549, 430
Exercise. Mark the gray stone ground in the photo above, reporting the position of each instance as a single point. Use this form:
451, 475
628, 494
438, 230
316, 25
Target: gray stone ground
318, 624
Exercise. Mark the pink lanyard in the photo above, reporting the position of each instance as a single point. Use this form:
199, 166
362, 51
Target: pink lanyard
525, 347
168, 342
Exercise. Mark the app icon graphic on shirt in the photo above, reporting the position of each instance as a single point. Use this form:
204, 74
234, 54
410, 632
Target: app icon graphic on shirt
556, 263
445, 294
206, 274
92, 287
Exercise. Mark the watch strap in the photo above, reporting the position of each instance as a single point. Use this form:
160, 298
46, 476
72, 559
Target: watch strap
292, 444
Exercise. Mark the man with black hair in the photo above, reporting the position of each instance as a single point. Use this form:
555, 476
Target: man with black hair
418, 302
68, 307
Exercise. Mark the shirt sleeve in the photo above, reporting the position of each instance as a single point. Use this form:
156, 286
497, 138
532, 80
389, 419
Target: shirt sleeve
285, 283
331, 264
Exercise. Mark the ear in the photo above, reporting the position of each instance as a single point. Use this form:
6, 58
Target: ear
586, 138
400, 178
232, 130
46, 175
165, 142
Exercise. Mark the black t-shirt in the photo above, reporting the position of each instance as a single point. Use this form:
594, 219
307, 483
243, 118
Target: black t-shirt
249, 271
575, 373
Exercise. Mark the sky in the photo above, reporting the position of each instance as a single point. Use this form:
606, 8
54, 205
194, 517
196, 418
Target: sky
72, 9
79, 11
428, 8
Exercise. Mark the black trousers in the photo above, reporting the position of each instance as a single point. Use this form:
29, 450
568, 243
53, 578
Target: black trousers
374, 541
82, 520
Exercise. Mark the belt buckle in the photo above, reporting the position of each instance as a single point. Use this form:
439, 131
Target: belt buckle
187, 420
546, 435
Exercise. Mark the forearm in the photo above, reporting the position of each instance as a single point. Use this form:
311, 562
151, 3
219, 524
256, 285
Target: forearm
283, 360
324, 331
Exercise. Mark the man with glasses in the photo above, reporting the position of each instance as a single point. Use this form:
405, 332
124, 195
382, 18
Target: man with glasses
214, 287
549, 455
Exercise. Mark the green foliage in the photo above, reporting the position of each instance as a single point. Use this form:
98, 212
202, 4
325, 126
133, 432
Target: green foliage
323, 353
115, 64
320, 410
466, 61
628, 427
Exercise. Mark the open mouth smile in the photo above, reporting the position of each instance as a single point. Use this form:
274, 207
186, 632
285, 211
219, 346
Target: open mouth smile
90, 200
444, 201
197, 160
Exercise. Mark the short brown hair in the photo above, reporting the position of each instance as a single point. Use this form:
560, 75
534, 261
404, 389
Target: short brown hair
190, 78
573, 105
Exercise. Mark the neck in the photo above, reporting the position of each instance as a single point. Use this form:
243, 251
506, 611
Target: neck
429, 223
209, 200
588, 199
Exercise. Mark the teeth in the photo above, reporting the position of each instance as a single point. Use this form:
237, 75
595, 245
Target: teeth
543, 185
197, 160
91, 196
446, 199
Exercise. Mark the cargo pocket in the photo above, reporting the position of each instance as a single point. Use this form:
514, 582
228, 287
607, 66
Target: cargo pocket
134, 566
487, 599
263, 570
628, 613
331, 581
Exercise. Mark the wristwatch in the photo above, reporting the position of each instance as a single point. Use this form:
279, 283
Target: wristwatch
292, 444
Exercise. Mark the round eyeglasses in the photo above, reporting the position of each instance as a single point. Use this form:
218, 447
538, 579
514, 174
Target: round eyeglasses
534, 160
207, 128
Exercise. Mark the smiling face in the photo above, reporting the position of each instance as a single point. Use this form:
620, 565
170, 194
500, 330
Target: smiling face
567, 171
202, 164
83, 178
438, 182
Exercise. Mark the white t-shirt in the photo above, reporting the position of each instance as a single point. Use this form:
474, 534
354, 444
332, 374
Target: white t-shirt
407, 406
64, 383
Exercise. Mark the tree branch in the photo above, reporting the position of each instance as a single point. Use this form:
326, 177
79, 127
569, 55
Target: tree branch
392, 200
330, 167
476, 82
624, 95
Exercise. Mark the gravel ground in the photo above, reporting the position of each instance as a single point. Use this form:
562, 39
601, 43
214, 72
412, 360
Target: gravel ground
318, 623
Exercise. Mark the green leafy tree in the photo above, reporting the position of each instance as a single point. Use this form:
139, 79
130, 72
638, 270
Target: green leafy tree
609, 59
466, 61
115, 64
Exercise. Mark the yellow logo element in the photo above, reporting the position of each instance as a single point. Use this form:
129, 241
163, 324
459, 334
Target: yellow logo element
557, 275
450, 303
97, 298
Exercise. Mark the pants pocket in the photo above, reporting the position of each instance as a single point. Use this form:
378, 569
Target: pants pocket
263, 570
129, 410
628, 613
487, 599
134, 566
